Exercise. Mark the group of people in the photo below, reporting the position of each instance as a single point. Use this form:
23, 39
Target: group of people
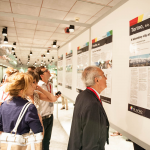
20, 88
90, 125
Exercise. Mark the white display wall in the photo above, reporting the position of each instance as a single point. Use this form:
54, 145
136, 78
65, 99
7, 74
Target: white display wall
134, 126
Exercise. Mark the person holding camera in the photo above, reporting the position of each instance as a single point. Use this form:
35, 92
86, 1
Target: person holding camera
46, 107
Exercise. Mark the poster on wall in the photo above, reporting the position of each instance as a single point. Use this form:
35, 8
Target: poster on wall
69, 65
139, 65
101, 56
82, 63
60, 70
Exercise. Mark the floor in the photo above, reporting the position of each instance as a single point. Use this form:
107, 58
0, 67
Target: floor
61, 131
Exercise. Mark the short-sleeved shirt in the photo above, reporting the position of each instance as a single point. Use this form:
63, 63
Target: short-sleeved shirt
9, 112
46, 107
36, 101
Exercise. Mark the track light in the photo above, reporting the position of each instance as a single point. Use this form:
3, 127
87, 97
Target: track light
16, 57
54, 43
35, 62
47, 51
30, 52
4, 32
14, 45
44, 56
48, 60
52, 57
13, 50
14, 54
71, 28
5, 40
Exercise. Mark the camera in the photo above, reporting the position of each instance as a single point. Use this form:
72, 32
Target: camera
58, 93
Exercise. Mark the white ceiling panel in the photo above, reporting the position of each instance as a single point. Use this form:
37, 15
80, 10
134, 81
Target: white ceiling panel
114, 2
25, 31
105, 2
75, 32
25, 35
28, 2
64, 5
43, 33
82, 18
59, 36
25, 20
71, 36
11, 30
41, 37
44, 23
7, 23
60, 30
25, 40
13, 39
24, 49
92, 20
39, 41
81, 28
6, 18
36, 45
25, 25
55, 14
25, 44
12, 34
45, 28
86, 8
5, 6
102, 12
25, 9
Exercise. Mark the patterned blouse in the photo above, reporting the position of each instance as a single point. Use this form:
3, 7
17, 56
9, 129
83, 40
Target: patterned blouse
36, 101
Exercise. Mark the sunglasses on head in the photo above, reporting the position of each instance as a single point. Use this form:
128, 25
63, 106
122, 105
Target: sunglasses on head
45, 70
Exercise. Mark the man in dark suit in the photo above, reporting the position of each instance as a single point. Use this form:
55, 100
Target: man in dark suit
90, 125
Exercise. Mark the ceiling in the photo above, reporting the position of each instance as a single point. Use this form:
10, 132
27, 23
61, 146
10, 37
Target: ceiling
37, 35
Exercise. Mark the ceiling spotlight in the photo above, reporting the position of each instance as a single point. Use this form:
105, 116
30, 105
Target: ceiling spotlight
14, 45
30, 52
5, 40
71, 28
14, 54
52, 57
47, 51
16, 57
54, 43
44, 56
58, 46
4, 32
19, 60
48, 60
35, 62
13, 50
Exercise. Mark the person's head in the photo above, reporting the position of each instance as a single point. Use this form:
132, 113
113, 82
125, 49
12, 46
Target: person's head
35, 78
44, 74
10, 71
20, 84
31, 68
93, 76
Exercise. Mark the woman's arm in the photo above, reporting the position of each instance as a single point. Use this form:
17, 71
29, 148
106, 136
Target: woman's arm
41, 123
45, 95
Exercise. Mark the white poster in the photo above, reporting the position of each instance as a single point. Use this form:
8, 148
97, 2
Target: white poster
139, 65
82, 63
68, 76
60, 70
101, 56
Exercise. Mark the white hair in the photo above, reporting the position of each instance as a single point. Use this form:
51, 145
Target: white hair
89, 74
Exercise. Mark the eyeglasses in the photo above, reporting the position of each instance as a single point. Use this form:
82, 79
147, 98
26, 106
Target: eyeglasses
45, 70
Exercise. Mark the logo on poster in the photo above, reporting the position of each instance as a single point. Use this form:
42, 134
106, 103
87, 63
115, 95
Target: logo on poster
137, 28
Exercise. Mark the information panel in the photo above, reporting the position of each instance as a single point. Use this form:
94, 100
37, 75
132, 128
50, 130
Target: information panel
82, 63
68, 77
60, 70
102, 57
139, 64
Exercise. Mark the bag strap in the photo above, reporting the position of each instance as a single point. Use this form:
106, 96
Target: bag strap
23, 111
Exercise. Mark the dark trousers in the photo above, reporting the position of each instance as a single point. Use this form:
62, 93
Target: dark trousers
48, 124
137, 147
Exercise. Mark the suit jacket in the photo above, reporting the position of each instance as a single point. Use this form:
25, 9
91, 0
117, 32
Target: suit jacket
90, 125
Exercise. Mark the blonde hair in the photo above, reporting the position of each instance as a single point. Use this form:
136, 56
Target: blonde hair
18, 82
10, 71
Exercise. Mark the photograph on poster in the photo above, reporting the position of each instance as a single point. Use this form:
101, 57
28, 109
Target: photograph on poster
60, 70
101, 56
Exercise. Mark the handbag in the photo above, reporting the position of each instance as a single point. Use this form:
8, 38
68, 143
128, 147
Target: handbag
27, 141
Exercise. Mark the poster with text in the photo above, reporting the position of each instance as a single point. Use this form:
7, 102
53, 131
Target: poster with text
139, 65
60, 70
82, 63
101, 56
68, 76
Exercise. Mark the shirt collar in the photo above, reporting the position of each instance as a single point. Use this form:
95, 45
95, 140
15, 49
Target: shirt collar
96, 92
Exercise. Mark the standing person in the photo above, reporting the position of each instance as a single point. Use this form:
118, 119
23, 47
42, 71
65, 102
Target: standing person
46, 107
31, 68
90, 125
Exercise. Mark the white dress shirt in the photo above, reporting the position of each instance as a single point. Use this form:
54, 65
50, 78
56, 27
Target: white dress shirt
46, 107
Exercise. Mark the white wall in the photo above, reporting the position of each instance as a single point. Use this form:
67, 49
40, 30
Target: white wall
117, 112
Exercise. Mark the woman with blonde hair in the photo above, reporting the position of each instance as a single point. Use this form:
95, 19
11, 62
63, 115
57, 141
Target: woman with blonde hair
19, 87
